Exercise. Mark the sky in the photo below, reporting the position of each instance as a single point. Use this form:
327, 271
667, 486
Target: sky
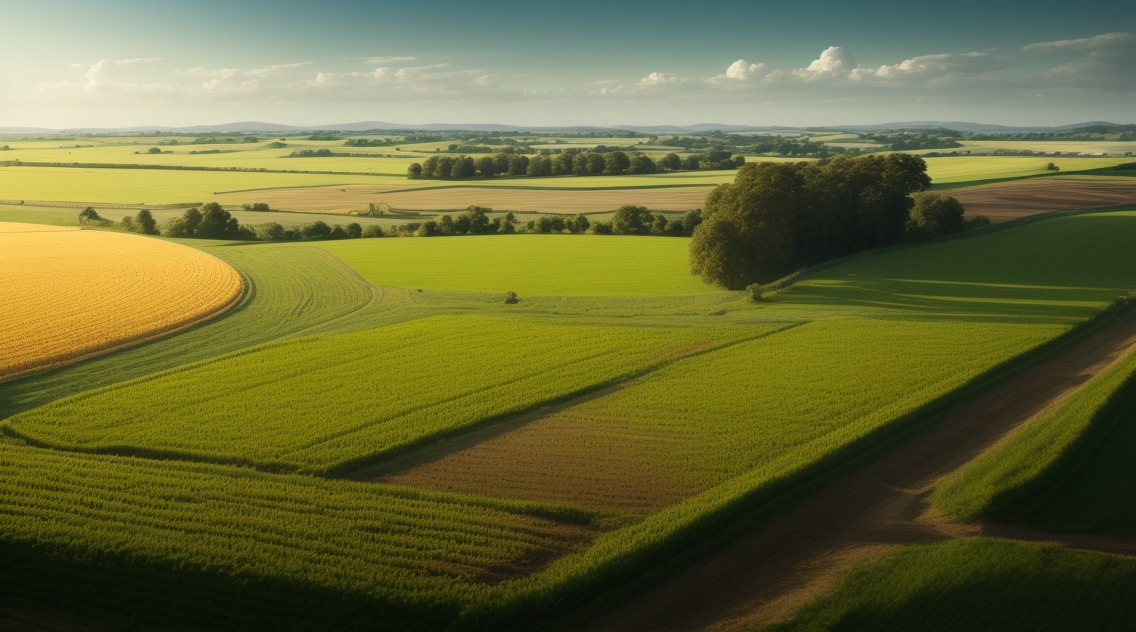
117, 63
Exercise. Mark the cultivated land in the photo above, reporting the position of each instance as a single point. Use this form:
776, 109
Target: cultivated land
71, 294
373, 426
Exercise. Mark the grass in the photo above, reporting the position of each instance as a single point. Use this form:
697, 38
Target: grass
69, 294
1067, 470
958, 169
412, 558
290, 290
978, 585
557, 265
343, 399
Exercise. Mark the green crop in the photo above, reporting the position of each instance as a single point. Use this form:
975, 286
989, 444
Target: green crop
324, 403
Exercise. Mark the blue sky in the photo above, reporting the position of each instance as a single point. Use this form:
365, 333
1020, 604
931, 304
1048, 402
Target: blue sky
115, 63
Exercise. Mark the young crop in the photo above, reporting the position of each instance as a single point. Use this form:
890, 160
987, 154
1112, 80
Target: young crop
69, 294
323, 403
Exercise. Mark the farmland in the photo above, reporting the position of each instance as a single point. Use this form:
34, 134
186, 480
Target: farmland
372, 425
555, 265
119, 290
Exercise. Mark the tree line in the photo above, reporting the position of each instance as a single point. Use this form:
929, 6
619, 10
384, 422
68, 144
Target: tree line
569, 162
212, 221
776, 218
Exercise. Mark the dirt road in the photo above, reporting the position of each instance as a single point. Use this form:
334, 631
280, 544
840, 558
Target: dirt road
767, 575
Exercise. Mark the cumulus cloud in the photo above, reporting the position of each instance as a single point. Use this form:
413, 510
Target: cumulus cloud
1107, 40
741, 70
931, 67
834, 61
658, 79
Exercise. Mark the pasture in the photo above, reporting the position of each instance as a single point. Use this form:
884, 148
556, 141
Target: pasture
69, 294
554, 265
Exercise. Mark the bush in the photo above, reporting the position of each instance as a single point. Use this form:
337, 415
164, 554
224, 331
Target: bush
935, 214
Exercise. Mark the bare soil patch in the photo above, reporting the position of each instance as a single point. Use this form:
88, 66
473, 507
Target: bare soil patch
1006, 201
767, 575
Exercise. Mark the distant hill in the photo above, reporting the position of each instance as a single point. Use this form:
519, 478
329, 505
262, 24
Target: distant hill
363, 126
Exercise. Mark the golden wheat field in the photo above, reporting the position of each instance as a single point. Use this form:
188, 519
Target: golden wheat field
69, 294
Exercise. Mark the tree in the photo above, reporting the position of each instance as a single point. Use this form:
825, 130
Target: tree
616, 163
719, 255
670, 162
354, 230
89, 216
936, 214
580, 224
316, 230
594, 164
641, 163
184, 226
154, 150
691, 163
518, 164
508, 226
145, 223
216, 223
271, 231
487, 166
372, 231
632, 220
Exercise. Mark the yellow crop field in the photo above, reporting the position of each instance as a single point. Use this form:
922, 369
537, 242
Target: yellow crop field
69, 294
947, 170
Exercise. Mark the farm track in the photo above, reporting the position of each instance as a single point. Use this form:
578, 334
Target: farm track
766, 575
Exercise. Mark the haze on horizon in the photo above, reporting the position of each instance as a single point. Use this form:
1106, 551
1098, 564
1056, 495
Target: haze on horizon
130, 63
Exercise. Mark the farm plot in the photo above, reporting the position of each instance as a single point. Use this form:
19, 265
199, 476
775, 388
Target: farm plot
499, 198
70, 294
1005, 201
413, 559
776, 403
554, 265
319, 404
958, 169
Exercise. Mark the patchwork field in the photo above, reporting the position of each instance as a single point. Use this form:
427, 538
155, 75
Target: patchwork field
69, 294
1006, 201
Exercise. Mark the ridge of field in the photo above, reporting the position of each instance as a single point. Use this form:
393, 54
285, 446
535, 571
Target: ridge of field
1067, 470
289, 290
1006, 201
331, 407
978, 584
70, 294
684, 429
409, 559
559, 265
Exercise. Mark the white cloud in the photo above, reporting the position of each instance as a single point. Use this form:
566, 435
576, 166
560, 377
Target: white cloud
658, 79
834, 61
931, 67
1107, 40
741, 70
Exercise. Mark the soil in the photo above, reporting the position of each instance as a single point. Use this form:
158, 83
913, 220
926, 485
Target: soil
768, 574
1005, 201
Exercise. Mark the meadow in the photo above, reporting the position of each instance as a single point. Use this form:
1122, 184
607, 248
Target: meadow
70, 294
554, 265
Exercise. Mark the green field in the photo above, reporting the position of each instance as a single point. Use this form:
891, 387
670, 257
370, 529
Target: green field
509, 462
556, 265
332, 407
1068, 470
978, 585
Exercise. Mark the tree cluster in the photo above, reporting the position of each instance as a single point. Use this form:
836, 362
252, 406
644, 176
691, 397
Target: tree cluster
143, 222
569, 162
637, 220
211, 221
776, 218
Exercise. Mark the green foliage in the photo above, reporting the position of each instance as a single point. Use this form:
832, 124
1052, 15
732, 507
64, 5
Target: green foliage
330, 405
1069, 469
786, 216
90, 216
531, 265
978, 584
935, 214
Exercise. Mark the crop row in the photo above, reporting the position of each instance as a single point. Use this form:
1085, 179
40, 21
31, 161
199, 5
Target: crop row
325, 402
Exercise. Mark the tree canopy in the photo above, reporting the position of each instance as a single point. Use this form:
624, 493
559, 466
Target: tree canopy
776, 218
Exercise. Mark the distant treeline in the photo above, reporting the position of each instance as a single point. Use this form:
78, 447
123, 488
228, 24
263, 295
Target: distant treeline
212, 221
776, 218
910, 141
569, 162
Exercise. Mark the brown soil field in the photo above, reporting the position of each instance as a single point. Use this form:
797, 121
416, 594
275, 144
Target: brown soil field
768, 574
70, 294
550, 455
1005, 201
567, 201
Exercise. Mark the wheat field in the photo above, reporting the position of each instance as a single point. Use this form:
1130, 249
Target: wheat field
69, 294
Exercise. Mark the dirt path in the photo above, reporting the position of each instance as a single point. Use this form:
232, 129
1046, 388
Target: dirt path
768, 575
